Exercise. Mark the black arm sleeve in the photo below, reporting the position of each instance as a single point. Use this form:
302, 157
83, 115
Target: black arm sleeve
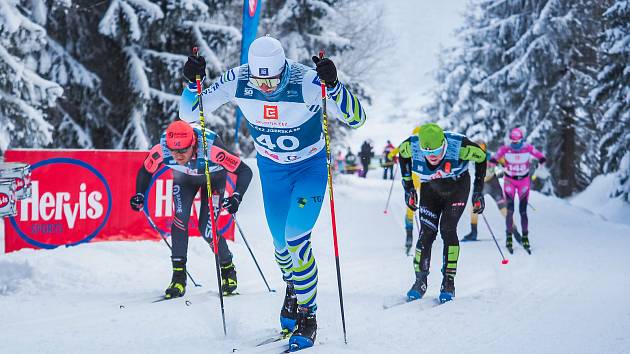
143, 179
480, 168
406, 163
243, 172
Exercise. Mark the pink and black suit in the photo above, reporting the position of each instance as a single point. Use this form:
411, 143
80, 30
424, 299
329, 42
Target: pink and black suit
516, 159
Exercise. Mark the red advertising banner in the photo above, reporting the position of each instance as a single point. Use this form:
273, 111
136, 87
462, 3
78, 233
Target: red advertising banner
83, 196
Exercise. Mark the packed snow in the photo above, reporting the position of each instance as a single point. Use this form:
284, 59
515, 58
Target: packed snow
567, 297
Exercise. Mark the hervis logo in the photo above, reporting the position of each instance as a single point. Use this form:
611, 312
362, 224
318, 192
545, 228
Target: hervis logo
57, 210
4, 200
19, 184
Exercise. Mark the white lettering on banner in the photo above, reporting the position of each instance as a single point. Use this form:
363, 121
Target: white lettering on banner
163, 198
96, 208
57, 206
197, 204
47, 201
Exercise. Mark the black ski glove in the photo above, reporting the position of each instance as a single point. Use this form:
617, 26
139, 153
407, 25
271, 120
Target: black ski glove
137, 202
411, 195
326, 71
478, 203
232, 202
195, 65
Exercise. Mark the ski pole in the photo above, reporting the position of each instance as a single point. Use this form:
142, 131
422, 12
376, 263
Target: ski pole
505, 260
209, 187
391, 187
164, 236
240, 231
531, 206
332, 201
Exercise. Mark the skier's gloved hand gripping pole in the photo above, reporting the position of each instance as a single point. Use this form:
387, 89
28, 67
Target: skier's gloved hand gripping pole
321, 61
213, 227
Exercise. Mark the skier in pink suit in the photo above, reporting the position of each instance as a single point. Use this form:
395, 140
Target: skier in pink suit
516, 158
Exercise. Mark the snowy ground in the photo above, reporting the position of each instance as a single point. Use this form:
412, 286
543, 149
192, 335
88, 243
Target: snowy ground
596, 200
568, 297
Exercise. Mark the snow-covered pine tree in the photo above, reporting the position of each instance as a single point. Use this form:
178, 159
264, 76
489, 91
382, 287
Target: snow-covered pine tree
25, 95
457, 103
612, 94
81, 114
529, 63
155, 38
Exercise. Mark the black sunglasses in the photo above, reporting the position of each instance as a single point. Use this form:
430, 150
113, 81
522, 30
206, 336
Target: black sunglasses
181, 151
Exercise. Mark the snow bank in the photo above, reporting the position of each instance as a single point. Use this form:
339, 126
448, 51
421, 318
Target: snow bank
596, 199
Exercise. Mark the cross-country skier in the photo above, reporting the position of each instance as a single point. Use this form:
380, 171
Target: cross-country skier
492, 187
281, 101
386, 162
181, 150
441, 159
516, 160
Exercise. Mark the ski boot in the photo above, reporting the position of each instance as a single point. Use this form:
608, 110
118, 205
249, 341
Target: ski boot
419, 287
228, 279
306, 331
525, 242
177, 288
472, 236
289, 314
447, 290
508, 242
408, 241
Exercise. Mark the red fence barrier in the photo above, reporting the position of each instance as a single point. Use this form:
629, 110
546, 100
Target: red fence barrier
83, 196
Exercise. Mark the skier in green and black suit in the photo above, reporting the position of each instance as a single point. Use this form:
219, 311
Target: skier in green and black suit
441, 159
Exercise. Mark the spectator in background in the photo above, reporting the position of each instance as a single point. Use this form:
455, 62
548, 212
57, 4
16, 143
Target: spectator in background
366, 154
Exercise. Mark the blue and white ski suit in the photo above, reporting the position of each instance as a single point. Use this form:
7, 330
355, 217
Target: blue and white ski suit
287, 131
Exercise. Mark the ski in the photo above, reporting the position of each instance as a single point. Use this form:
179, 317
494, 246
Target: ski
397, 302
164, 298
402, 301
285, 334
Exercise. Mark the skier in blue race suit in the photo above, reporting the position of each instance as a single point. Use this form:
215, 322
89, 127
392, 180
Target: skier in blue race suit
281, 101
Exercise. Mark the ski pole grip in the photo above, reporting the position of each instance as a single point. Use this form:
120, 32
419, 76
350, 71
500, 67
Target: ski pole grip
195, 51
321, 54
